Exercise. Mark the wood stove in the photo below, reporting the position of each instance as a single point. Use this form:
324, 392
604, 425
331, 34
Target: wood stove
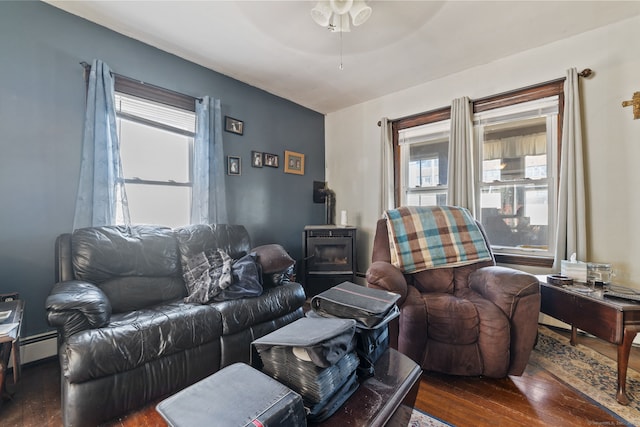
329, 256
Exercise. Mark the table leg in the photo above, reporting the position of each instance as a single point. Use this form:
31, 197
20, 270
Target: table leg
574, 335
5, 348
17, 365
623, 362
3, 377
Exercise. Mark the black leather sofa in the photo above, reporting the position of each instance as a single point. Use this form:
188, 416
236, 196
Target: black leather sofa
125, 334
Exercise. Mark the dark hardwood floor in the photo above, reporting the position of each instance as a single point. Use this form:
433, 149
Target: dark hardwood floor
534, 399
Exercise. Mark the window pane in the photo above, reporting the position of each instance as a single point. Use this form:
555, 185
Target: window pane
153, 154
428, 164
427, 199
535, 167
516, 215
515, 150
159, 204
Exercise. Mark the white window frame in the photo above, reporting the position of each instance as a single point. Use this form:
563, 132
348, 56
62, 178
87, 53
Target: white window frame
173, 119
544, 107
419, 135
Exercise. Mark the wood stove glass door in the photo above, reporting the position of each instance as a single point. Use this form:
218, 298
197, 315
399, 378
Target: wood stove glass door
329, 255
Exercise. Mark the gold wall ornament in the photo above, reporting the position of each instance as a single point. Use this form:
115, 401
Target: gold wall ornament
635, 101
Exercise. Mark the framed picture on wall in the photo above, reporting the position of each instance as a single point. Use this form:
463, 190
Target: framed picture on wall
233, 165
233, 125
294, 162
256, 159
271, 160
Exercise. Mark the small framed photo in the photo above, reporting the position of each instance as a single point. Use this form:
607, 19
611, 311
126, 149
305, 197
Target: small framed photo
233, 125
271, 160
256, 159
233, 165
294, 162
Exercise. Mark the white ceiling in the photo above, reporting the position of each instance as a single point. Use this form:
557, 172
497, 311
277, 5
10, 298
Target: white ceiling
277, 47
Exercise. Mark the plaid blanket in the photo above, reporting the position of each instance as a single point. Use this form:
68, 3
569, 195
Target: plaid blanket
423, 238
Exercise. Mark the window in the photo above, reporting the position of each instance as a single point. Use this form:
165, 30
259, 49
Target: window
517, 189
156, 148
517, 145
424, 149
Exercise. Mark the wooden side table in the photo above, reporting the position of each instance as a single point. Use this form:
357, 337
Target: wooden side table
375, 402
613, 320
10, 343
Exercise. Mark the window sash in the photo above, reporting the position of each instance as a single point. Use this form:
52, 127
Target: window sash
546, 108
430, 133
173, 120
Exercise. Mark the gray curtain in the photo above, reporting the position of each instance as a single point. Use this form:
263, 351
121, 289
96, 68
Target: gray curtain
101, 198
571, 230
460, 178
208, 201
387, 198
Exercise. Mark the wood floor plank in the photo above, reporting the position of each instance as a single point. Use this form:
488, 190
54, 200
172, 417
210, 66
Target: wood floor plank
536, 398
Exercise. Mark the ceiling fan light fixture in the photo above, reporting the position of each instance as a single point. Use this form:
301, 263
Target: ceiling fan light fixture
338, 15
359, 12
340, 23
341, 6
321, 13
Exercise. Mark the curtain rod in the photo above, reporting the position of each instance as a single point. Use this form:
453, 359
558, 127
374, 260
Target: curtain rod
586, 73
87, 68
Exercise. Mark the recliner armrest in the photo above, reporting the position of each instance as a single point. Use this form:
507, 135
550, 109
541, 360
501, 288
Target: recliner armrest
503, 286
383, 275
74, 306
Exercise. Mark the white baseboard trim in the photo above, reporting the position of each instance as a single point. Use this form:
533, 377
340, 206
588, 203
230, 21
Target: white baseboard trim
38, 347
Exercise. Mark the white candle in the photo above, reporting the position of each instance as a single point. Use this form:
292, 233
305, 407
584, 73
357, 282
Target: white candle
343, 217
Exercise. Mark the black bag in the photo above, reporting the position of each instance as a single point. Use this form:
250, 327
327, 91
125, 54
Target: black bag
315, 357
369, 307
323, 410
370, 344
214, 401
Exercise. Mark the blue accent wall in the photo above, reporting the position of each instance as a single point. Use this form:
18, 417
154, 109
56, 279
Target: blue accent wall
42, 94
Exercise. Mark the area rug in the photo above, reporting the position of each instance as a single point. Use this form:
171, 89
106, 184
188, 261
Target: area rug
587, 371
416, 418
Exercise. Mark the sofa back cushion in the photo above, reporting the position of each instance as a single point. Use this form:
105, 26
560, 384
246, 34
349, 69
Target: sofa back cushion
198, 238
135, 266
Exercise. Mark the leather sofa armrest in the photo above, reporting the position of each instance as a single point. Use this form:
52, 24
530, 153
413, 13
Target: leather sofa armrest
74, 306
382, 275
504, 286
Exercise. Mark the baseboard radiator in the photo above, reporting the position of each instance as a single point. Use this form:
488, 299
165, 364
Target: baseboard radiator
38, 347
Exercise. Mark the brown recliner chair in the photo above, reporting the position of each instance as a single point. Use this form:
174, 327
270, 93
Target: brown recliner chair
471, 320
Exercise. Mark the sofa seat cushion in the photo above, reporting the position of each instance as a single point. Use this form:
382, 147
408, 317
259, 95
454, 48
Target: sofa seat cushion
451, 319
240, 314
134, 338
466, 326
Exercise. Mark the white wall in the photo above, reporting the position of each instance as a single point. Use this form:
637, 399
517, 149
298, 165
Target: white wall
612, 137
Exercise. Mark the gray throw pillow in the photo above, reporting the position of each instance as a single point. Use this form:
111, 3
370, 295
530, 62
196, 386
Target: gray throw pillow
206, 275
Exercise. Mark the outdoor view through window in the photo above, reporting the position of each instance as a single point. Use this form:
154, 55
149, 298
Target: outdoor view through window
514, 189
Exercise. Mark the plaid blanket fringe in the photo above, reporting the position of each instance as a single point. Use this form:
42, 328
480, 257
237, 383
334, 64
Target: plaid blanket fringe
423, 238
